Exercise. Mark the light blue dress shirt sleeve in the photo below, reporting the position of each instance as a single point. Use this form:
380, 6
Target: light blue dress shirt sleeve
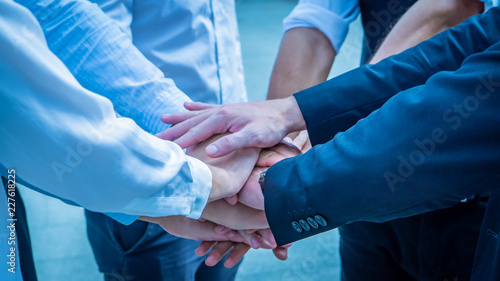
67, 141
332, 17
103, 59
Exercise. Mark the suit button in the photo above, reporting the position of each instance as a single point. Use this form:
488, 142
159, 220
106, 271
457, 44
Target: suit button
305, 225
296, 227
312, 222
321, 220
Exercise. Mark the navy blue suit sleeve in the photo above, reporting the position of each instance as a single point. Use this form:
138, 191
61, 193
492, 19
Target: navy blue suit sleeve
425, 148
336, 105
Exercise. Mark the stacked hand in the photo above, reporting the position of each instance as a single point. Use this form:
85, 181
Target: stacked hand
234, 219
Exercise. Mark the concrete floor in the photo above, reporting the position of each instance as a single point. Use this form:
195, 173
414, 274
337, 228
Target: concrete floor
60, 246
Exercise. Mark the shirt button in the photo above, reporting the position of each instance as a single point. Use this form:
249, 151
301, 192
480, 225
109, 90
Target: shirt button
305, 225
321, 220
312, 222
296, 227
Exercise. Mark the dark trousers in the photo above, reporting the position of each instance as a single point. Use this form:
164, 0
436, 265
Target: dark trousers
435, 246
144, 251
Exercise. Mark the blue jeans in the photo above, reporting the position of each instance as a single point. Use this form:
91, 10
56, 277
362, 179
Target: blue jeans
434, 246
144, 251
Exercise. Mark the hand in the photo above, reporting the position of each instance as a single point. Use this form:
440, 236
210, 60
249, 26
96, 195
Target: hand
300, 140
184, 227
254, 124
283, 150
238, 250
236, 217
230, 172
251, 193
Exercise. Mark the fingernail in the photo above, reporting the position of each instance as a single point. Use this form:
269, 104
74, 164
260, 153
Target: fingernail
228, 263
271, 240
212, 150
210, 260
269, 244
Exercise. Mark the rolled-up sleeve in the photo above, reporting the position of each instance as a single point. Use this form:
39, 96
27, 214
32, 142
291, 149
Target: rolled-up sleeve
328, 16
101, 56
67, 141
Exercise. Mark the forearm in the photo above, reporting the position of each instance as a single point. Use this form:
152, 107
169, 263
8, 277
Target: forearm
422, 21
67, 141
426, 148
304, 60
103, 60
367, 88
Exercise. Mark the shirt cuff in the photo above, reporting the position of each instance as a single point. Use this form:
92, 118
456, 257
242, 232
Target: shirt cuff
202, 186
186, 200
334, 26
172, 102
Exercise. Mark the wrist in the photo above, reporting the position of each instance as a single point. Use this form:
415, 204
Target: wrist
292, 116
214, 192
218, 178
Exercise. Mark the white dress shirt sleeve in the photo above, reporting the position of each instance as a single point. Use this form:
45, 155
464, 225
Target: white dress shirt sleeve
67, 141
332, 17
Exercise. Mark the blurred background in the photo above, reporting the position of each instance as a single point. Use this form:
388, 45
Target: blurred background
58, 234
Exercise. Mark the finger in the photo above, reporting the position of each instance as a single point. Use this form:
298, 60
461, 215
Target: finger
231, 235
198, 132
178, 117
228, 144
250, 231
306, 146
232, 200
301, 140
268, 237
181, 128
251, 239
268, 158
195, 106
234, 236
236, 217
281, 253
204, 247
286, 149
218, 252
238, 251
220, 229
